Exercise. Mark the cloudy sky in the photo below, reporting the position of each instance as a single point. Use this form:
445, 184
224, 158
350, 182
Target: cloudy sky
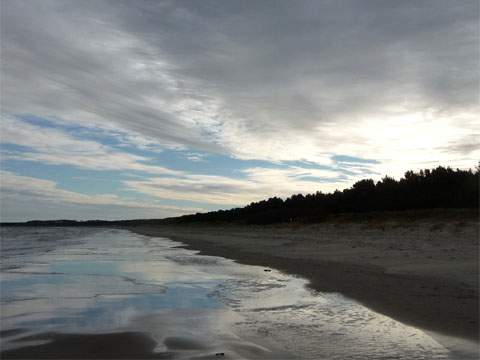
132, 109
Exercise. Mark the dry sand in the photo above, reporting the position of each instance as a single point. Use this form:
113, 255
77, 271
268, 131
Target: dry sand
420, 268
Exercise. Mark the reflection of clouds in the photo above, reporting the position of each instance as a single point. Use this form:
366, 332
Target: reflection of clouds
172, 272
66, 286
337, 325
115, 280
32, 309
212, 327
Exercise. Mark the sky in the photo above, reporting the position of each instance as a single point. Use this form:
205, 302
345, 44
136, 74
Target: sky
149, 109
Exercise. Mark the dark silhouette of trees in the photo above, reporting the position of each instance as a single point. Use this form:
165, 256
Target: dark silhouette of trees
427, 189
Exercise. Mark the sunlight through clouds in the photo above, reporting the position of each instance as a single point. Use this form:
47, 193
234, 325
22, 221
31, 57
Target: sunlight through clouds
171, 96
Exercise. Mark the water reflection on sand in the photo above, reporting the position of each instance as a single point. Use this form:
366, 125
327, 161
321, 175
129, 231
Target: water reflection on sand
103, 281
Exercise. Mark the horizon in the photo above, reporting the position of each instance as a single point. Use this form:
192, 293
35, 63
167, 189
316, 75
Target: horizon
419, 173
151, 110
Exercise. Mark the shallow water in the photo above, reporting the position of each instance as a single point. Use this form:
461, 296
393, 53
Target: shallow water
96, 281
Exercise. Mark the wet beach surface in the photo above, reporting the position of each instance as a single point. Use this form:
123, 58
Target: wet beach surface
108, 293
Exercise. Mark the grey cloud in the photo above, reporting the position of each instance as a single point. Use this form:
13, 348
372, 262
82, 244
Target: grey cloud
269, 45
467, 145
228, 76
258, 183
63, 61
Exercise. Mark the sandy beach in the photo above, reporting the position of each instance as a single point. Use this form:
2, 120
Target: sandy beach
420, 267
105, 292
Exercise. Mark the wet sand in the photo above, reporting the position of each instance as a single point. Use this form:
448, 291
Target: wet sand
420, 268
126, 345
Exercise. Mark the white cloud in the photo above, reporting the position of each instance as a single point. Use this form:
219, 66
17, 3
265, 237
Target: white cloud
254, 82
52, 146
17, 191
395, 82
94, 73
57, 147
258, 184
410, 141
195, 157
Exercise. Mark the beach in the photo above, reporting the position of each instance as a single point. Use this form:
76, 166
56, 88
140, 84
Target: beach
108, 293
420, 268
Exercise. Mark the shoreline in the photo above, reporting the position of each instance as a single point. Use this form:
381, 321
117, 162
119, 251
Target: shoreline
420, 283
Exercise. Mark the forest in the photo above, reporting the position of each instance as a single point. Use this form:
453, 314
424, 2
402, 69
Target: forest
427, 189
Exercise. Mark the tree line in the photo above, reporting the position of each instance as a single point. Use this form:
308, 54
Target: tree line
426, 189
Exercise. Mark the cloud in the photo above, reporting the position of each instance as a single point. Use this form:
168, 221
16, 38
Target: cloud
467, 145
53, 146
314, 82
57, 146
85, 69
195, 157
262, 80
256, 184
21, 195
